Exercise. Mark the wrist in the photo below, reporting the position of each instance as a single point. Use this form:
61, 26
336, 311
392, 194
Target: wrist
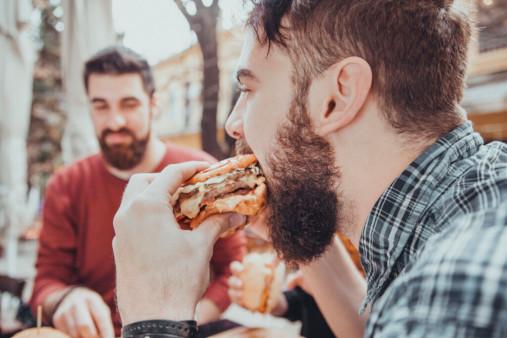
146, 313
281, 307
54, 300
160, 329
135, 306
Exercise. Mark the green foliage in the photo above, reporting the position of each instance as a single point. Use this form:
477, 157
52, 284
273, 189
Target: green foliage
47, 119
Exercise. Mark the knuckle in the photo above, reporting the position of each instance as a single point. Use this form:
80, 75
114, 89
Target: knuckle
73, 311
140, 204
117, 219
58, 320
84, 329
92, 298
236, 268
170, 168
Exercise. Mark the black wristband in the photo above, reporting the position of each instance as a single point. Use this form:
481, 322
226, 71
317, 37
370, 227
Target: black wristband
160, 329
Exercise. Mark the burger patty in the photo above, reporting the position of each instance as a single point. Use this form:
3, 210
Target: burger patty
219, 190
231, 184
224, 190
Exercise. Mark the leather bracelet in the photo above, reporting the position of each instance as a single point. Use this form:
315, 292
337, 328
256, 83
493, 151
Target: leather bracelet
160, 329
62, 297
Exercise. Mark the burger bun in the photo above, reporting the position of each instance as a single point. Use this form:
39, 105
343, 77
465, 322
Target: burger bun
43, 332
263, 279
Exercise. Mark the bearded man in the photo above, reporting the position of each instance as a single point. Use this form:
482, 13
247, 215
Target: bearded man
75, 266
352, 108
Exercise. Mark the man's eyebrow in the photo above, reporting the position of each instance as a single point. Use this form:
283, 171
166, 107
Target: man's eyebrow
130, 98
98, 100
243, 73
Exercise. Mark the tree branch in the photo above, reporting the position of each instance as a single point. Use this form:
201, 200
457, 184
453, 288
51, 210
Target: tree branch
199, 5
183, 10
214, 8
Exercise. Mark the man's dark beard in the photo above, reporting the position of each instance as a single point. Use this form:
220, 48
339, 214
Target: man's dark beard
302, 212
242, 147
123, 157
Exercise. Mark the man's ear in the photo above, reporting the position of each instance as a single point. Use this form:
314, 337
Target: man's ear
348, 85
154, 104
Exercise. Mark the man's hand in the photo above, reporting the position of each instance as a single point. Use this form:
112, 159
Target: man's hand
297, 279
83, 313
235, 283
207, 311
161, 270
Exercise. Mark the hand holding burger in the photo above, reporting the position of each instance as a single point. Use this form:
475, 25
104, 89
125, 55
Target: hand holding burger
153, 254
257, 282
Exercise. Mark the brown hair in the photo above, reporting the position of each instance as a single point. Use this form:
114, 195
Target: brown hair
417, 51
117, 60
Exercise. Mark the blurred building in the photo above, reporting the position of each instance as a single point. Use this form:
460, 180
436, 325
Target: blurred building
179, 84
485, 98
179, 79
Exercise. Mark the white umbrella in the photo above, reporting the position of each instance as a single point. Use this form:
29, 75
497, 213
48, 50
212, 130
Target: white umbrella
16, 75
88, 27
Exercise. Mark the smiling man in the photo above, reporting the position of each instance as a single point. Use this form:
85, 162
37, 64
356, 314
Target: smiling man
352, 108
75, 265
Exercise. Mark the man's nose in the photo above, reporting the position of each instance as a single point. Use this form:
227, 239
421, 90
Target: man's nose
116, 121
234, 124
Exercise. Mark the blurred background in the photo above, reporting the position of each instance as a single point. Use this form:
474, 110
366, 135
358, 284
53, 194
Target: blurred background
193, 46
45, 119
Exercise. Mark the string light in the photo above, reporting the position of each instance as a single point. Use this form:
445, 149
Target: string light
487, 2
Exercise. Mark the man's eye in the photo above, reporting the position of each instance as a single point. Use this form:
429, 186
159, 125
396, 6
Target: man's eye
100, 107
129, 105
243, 90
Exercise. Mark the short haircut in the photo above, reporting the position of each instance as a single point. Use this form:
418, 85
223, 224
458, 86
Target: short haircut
417, 51
117, 60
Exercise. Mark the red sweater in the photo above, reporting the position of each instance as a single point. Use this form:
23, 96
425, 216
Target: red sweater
75, 241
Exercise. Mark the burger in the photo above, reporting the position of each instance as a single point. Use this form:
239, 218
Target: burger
43, 332
232, 185
263, 276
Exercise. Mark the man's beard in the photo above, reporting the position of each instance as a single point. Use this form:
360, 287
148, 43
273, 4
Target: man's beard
303, 205
123, 156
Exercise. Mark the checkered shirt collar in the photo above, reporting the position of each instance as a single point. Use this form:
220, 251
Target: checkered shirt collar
395, 217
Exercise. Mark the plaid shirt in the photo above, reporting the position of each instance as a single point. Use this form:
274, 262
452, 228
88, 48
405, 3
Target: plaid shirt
434, 247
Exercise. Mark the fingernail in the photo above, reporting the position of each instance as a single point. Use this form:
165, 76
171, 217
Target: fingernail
236, 220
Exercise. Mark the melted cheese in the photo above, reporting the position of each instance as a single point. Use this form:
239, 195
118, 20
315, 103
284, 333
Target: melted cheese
190, 206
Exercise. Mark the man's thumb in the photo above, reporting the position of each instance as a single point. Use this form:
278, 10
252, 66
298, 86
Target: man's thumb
222, 223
